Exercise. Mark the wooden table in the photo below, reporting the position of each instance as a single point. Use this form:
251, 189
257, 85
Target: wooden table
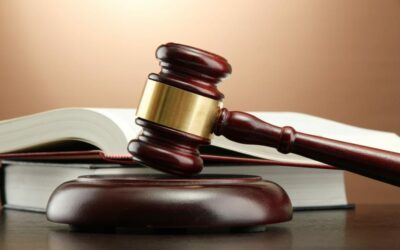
366, 227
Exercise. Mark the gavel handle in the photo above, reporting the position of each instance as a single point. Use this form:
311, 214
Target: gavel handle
371, 162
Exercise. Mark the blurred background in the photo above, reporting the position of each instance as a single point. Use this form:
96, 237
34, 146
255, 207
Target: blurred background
335, 59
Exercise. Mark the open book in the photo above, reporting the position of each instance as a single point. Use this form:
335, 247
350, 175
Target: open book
110, 130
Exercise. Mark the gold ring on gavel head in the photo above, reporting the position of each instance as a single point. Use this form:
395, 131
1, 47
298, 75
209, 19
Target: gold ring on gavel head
178, 109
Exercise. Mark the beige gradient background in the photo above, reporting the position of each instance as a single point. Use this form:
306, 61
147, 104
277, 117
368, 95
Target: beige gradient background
335, 59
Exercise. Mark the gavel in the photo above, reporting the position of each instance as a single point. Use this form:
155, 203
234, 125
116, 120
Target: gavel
181, 108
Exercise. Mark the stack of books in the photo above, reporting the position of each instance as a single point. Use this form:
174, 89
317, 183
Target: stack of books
41, 151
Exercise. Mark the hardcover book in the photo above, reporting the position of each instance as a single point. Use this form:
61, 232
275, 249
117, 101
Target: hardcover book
28, 185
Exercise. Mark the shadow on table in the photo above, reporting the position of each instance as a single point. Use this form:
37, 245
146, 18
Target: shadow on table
272, 236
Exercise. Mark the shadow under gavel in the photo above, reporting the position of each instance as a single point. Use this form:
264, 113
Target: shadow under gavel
181, 108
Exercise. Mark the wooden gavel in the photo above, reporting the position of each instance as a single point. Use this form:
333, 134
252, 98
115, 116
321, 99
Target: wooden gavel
181, 108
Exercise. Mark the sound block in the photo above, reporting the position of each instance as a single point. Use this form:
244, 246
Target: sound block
167, 202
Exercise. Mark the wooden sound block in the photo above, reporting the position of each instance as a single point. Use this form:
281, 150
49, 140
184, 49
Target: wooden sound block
168, 202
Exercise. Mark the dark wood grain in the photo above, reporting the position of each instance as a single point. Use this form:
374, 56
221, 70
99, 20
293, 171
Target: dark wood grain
166, 149
162, 201
374, 163
194, 70
366, 227
198, 71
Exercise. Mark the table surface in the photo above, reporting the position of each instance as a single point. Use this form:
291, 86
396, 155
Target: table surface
365, 227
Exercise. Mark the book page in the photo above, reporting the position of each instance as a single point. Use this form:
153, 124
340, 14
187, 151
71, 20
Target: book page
124, 118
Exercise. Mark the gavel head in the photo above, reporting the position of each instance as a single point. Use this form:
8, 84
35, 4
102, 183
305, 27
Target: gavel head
178, 109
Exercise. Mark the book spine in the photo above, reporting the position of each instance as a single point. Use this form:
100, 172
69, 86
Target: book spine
2, 185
